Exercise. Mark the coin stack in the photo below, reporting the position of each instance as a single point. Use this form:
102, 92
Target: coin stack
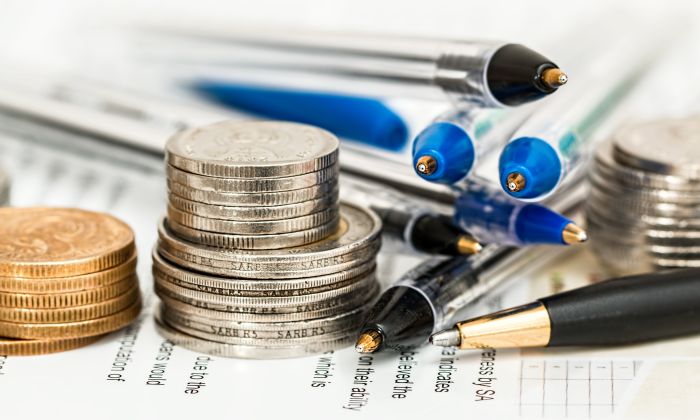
644, 206
257, 259
67, 277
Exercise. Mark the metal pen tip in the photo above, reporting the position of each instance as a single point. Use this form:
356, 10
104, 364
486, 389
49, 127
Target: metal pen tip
368, 342
467, 245
446, 338
426, 165
573, 234
515, 182
554, 78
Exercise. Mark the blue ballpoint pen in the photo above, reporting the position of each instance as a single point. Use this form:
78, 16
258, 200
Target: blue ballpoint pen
495, 218
362, 119
448, 148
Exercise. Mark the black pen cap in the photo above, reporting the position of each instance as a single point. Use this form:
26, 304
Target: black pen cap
515, 75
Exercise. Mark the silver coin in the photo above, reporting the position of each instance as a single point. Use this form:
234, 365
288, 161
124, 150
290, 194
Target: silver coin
267, 331
278, 312
635, 178
325, 309
634, 207
249, 352
622, 213
252, 149
653, 195
252, 242
287, 293
205, 335
670, 146
360, 286
673, 234
213, 211
675, 263
262, 227
681, 252
245, 287
279, 198
224, 320
286, 270
358, 228
252, 185
607, 219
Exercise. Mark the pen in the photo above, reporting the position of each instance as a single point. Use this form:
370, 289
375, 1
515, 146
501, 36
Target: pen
362, 119
619, 311
489, 73
449, 147
493, 217
555, 140
421, 228
428, 232
428, 296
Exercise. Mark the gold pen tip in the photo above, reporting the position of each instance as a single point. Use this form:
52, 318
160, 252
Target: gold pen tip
573, 234
368, 342
554, 78
467, 245
515, 182
426, 165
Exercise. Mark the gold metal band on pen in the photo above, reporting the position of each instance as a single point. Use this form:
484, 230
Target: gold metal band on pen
522, 326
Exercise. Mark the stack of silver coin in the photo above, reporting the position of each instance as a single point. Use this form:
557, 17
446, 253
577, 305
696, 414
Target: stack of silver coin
643, 212
256, 257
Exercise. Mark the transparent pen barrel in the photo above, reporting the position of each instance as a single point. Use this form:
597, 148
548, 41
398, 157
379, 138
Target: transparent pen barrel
385, 66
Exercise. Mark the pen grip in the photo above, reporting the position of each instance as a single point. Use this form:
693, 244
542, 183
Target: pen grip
628, 309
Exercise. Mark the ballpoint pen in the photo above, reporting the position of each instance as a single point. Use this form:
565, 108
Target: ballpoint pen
555, 140
358, 118
619, 311
427, 297
449, 147
421, 228
493, 217
483, 72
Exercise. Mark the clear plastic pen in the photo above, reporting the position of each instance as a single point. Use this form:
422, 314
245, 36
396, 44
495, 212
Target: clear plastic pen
555, 141
495, 218
489, 73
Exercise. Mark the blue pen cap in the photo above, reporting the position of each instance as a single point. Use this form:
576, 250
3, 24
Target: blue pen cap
364, 120
536, 161
450, 146
537, 224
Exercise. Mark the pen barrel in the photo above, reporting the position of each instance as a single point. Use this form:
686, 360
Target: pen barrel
436, 234
487, 214
460, 72
626, 310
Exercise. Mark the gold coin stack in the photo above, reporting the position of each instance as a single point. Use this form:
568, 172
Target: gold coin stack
67, 277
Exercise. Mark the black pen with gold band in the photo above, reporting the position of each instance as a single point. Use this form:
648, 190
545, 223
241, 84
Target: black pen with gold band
619, 311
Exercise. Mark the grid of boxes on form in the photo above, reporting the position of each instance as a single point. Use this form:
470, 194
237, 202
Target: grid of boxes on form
573, 389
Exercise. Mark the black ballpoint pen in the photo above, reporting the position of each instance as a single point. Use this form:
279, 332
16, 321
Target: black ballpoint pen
619, 311
489, 73
428, 232
422, 228
427, 297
